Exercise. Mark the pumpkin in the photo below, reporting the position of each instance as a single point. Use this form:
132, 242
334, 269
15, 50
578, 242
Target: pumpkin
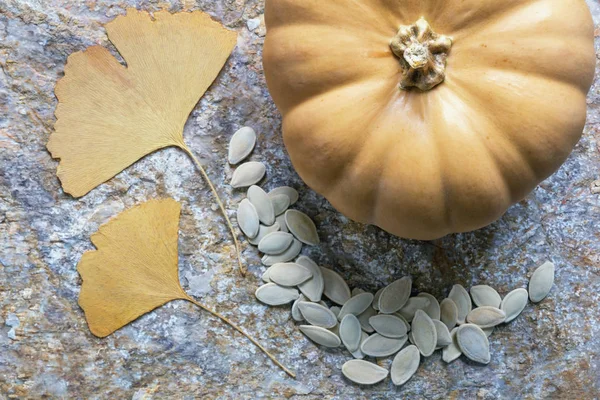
427, 117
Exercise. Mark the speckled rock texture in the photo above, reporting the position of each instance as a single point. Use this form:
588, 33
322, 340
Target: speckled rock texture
46, 350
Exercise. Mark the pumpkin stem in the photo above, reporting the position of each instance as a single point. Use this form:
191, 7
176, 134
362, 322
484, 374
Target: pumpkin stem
422, 55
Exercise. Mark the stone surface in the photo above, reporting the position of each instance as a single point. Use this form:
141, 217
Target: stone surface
46, 350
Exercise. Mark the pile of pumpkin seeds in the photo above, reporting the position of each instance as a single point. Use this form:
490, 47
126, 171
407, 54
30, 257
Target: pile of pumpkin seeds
367, 325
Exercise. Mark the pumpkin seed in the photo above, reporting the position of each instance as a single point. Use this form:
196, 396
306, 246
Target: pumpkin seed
364, 372
403, 320
412, 305
411, 339
320, 335
248, 174
264, 208
336, 289
335, 329
356, 305
247, 218
317, 315
312, 288
289, 254
265, 276
302, 227
541, 282
275, 295
263, 231
358, 354
356, 291
376, 299
350, 332
488, 331
443, 334
395, 295
448, 313
364, 319
296, 314
289, 274
241, 144
380, 346
473, 343
433, 309
452, 351
288, 191
514, 303
280, 219
461, 298
280, 203
405, 365
388, 325
486, 316
335, 310
275, 242
424, 333
484, 295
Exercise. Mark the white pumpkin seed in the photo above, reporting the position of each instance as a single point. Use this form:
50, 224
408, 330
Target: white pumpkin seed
388, 325
289, 274
263, 231
364, 372
265, 276
395, 295
288, 255
411, 339
461, 298
443, 334
486, 317
320, 335
358, 354
424, 333
280, 219
350, 332
376, 299
241, 144
302, 227
488, 331
275, 242
380, 346
484, 295
336, 289
296, 314
261, 201
312, 288
473, 343
280, 203
335, 329
396, 314
541, 282
356, 291
248, 174
317, 315
433, 309
412, 305
514, 303
356, 305
452, 351
288, 191
335, 310
405, 365
448, 313
247, 218
364, 319
275, 295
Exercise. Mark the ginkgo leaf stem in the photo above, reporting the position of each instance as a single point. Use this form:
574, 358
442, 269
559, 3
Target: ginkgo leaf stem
221, 206
240, 330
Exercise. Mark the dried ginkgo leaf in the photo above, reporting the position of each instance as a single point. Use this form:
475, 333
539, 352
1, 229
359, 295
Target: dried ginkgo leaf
134, 269
110, 115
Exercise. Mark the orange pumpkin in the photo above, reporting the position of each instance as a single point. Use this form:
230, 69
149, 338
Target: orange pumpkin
427, 117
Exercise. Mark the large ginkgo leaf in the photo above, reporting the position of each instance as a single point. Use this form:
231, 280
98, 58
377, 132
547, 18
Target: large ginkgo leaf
134, 269
110, 115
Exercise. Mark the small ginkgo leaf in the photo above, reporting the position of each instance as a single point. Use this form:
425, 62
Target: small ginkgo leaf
134, 269
110, 115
